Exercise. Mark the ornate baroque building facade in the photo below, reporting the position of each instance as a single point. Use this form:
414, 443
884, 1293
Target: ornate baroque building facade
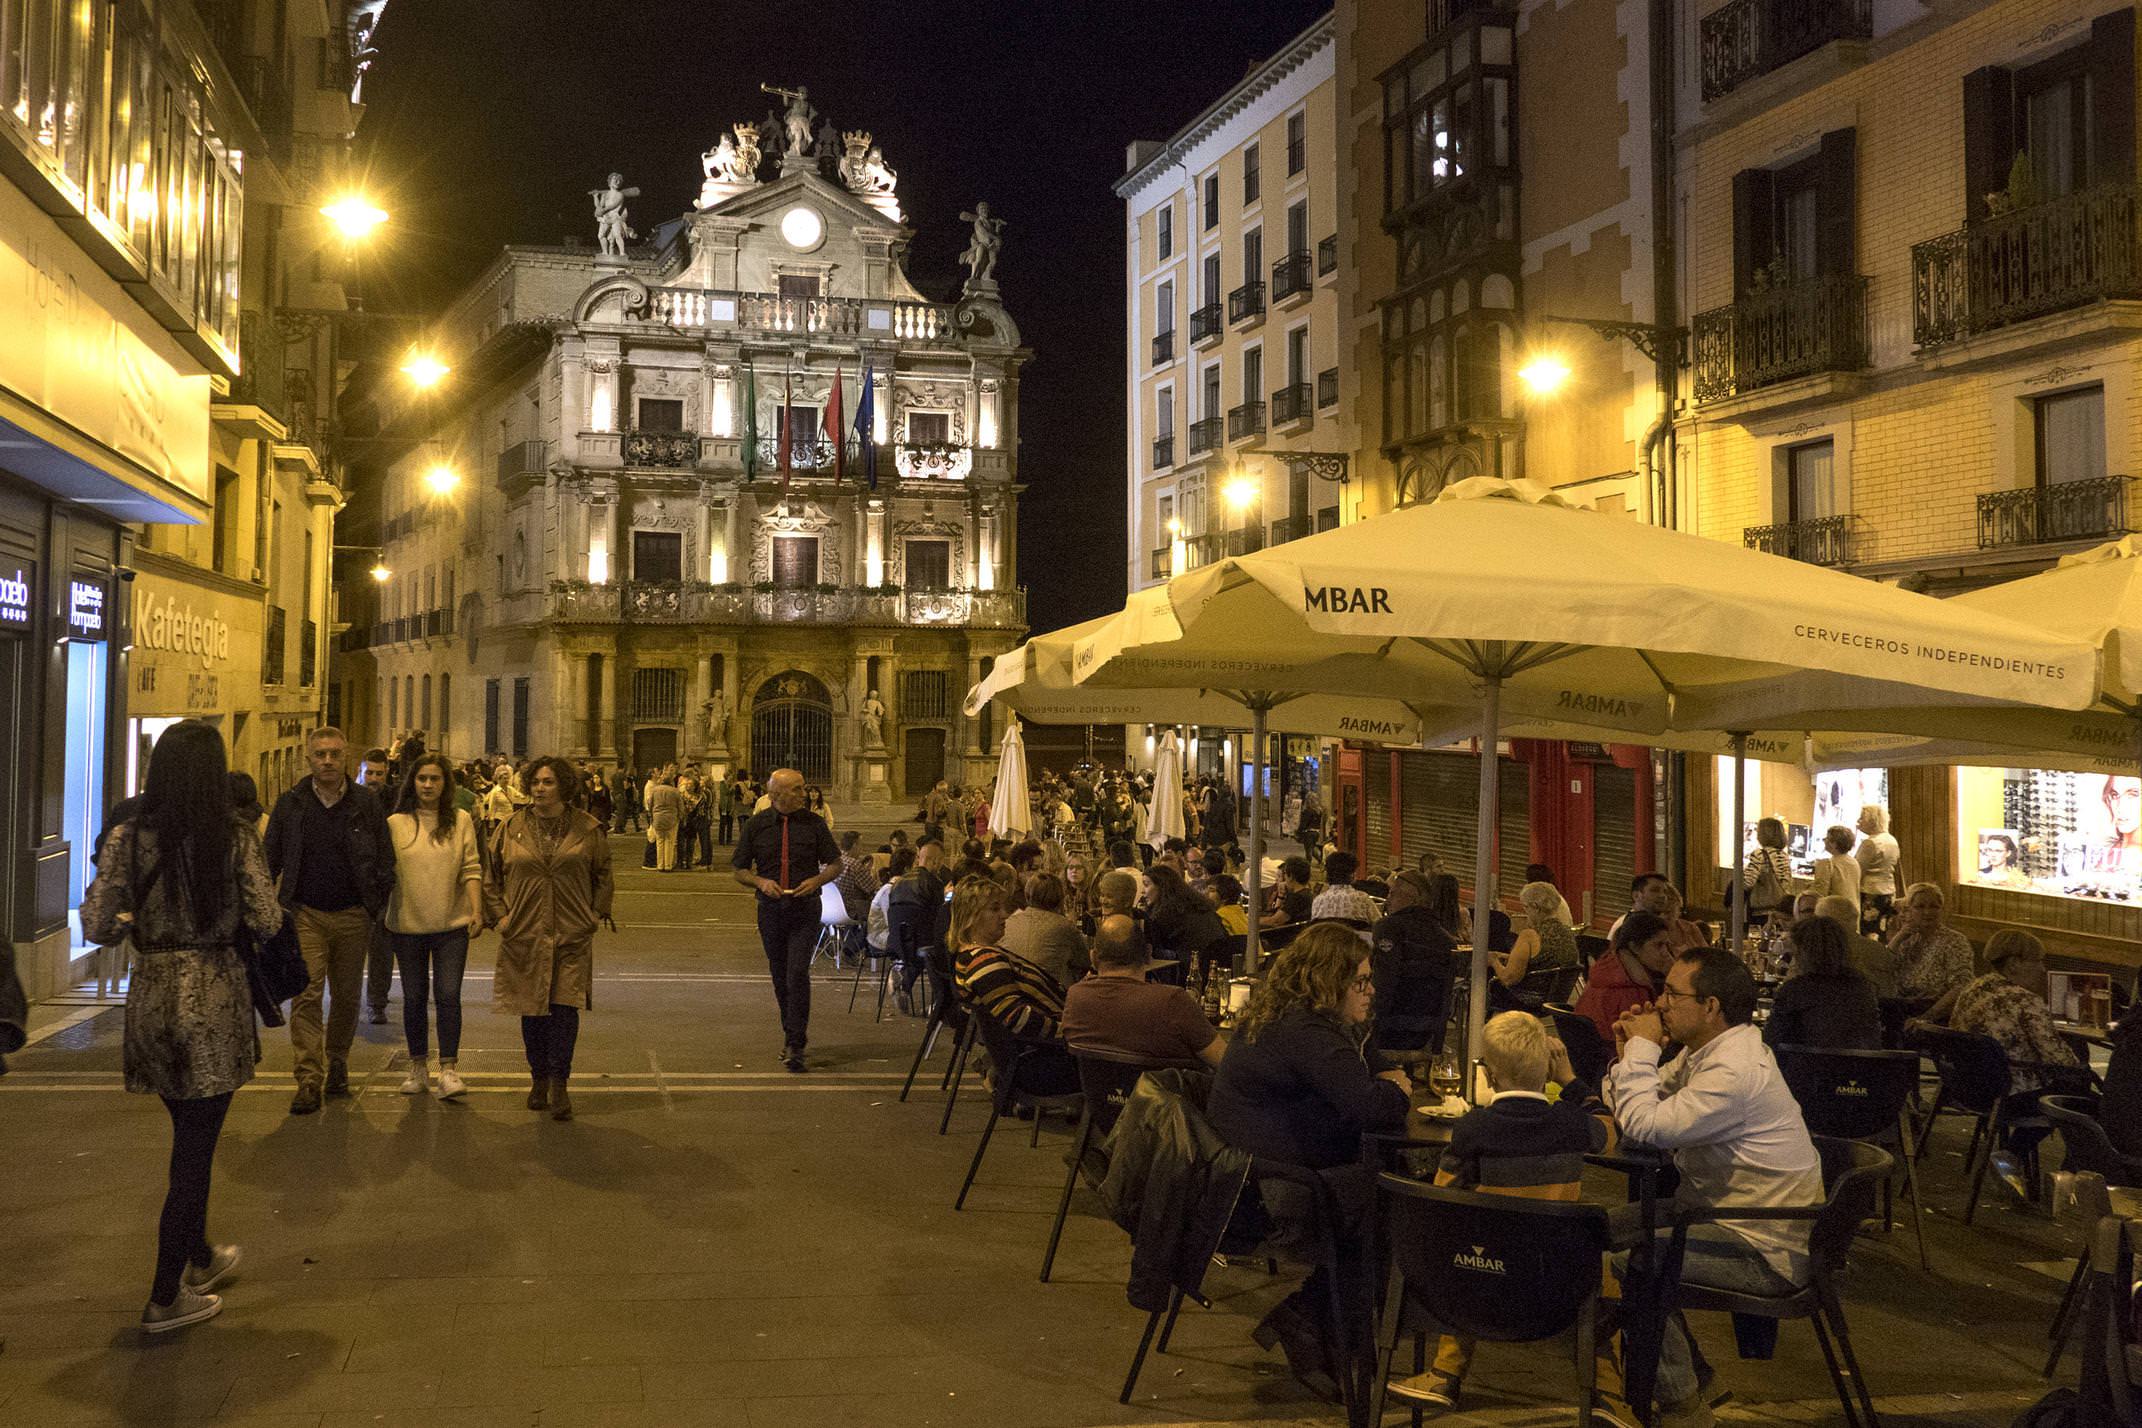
674, 534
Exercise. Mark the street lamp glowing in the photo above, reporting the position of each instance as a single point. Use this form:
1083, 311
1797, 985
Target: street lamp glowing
1175, 527
425, 370
381, 573
1241, 493
1544, 374
353, 215
442, 479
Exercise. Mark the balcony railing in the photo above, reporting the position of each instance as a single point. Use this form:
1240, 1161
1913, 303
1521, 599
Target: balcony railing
1749, 38
1217, 545
276, 646
1205, 323
1163, 564
670, 450
261, 378
1246, 302
813, 455
769, 312
2052, 255
1205, 435
2093, 509
439, 621
926, 460
671, 602
1163, 347
1327, 388
1245, 421
1824, 541
1291, 404
1819, 325
523, 458
1291, 276
1290, 528
1164, 451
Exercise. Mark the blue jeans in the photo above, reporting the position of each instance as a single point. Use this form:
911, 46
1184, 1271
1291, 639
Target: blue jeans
1720, 1259
432, 964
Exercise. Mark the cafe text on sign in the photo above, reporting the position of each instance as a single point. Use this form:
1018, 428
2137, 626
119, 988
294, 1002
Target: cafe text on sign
85, 609
17, 580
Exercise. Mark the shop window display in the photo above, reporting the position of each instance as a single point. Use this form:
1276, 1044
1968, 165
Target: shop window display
2048, 831
1807, 807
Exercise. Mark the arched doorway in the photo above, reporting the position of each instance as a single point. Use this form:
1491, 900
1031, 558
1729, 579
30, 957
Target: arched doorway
792, 727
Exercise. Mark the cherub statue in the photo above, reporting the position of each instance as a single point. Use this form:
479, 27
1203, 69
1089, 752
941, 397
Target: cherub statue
873, 714
983, 245
611, 227
746, 166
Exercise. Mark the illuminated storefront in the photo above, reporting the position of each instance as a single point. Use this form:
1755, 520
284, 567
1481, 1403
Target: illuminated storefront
1809, 805
2059, 834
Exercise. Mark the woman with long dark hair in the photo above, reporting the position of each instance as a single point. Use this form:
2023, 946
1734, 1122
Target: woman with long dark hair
180, 878
436, 908
546, 887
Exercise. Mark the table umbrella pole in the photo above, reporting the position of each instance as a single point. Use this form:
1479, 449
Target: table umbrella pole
1252, 950
1739, 890
1484, 874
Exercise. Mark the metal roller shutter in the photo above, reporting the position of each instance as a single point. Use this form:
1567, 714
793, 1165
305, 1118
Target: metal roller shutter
1376, 804
1440, 793
1613, 837
1516, 827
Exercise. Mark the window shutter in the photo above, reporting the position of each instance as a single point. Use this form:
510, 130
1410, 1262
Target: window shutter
1753, 245
1989, 136
2112, 98
1836, 203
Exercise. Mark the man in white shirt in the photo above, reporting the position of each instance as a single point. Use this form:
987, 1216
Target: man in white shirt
1340, 898
1735, 1132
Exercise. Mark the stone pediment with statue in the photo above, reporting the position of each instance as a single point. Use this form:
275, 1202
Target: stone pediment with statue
797, 140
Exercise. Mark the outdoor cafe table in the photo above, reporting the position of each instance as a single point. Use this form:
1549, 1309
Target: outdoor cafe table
1643, 1296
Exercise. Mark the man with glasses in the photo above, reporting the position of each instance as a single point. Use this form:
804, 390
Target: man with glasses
1724, 1112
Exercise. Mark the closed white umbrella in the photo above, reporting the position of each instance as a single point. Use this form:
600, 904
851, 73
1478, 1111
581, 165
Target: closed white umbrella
1501, 595
1164, 820
1011, 810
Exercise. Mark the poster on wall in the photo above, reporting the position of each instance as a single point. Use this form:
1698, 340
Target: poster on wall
2047, 831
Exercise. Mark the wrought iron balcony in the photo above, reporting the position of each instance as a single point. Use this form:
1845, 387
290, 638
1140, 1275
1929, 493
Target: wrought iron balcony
1819, 325
1291, 528
1217, 545
1327, 388
692, 603
1747, 39
1164, 451
1163, 347
1245, 421
1291, 276
1327, 255
2059, 254
2093, 509
1163, 564
1205, 323
1291, 404
1825, 541
670, 450
922, 460
1246, 303
523, 458
813, 456
1205, 435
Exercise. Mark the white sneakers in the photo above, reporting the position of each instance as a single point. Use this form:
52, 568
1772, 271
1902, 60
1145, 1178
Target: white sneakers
222, 1259
418, 1081
450, 1083
190, 1307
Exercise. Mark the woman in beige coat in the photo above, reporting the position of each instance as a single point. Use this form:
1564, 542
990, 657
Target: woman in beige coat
545, 889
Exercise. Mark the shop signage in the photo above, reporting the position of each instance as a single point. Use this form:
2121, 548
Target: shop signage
175, 624
85, 610
18, 579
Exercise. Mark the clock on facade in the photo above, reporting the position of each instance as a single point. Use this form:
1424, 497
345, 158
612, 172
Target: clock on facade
802, 228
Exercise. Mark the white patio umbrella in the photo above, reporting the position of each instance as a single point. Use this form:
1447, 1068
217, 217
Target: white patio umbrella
1501, 595
1165, 818
1011, 810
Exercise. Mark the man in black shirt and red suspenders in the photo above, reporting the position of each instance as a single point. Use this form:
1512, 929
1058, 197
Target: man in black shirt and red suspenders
786, 855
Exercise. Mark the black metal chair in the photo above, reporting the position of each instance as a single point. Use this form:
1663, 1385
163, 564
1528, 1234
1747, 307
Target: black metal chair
899, 947
1851, 1171
1977, 1081
1862, 1096
1493, 1267
1105, 1078
1589, 1056
2088, 1151
1535, 990
1031, 1074
945, 1011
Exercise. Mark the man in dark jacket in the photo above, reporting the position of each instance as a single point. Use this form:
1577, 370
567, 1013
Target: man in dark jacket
1414, 962
333, 865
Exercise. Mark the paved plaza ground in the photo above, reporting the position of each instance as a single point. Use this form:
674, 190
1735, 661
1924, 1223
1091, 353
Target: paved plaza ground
714, 1241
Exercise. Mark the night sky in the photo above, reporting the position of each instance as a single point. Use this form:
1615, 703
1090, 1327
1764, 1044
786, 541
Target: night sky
487, 120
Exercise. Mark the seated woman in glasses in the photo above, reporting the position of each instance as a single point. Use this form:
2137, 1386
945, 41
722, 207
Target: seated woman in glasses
1294, 1087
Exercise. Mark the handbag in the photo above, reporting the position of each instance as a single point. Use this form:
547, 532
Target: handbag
274, 968
1767, 891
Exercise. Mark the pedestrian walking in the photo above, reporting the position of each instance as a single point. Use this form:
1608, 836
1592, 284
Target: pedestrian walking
547, 886
333, 864
732, 792
436, 908
181, 879
602, 804
665, 815
786, 854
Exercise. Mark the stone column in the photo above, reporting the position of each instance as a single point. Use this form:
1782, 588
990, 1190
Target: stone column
874, 542
985, 571
708, 516
606, 736
739, 550
620, 538
584, 739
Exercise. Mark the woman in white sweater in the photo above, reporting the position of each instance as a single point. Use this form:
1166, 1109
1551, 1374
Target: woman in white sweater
1838, 874
436, 907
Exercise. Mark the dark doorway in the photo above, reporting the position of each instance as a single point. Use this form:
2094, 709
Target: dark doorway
652, 748
925, 749
792, 727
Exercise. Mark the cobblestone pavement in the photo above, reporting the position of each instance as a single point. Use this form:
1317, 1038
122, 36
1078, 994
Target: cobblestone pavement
714, 1241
